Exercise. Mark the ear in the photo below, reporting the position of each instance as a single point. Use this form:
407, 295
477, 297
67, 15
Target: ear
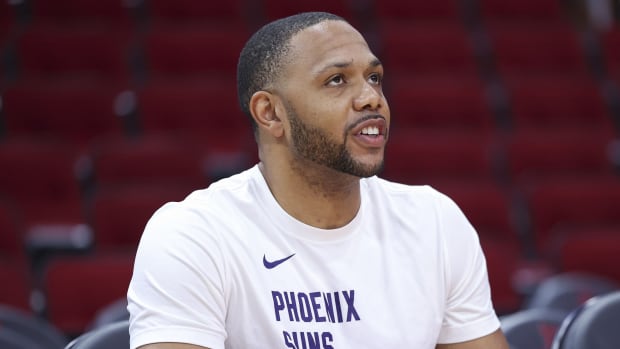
263, 106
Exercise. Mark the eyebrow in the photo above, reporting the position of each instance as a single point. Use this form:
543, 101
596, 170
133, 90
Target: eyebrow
375, 62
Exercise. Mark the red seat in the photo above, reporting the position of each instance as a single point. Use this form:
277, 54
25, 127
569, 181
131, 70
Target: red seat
556, 104
11, 238
77, 287
592, 250
610, 42
7, 22
436, 158
439, 103
488, 207
113, 228
15, 276
109, 13
52, 52
7, 28
561, 205
426, 48
182, 108
502, 260
40, 178
62, 111
531, 49
16, 286
149, 160
417, 10
229, 13
544, 156
274, 9
521, 10
193, 50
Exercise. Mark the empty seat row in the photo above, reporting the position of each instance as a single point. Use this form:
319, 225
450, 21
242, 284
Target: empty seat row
434, 157
49, 50
118, 11
50, 181
80, 114
449, 47
207, 109
74, 292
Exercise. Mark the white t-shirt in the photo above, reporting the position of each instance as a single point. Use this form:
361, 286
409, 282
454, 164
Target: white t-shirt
228, 268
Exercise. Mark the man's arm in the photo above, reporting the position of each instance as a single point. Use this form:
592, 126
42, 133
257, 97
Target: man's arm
495, 340
171, 346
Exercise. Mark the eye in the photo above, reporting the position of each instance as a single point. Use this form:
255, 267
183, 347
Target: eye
336, 80
375, 78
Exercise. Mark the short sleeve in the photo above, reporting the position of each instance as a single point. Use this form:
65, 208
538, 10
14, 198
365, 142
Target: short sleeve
469, 312
177, 292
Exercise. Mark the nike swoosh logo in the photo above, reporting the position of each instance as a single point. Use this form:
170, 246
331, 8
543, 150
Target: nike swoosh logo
273, 264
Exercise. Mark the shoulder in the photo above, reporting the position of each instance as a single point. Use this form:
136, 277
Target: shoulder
416, 194
421, 203
206, 208
218, 197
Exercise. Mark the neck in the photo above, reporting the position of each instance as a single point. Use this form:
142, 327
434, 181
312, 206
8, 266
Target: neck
314, 195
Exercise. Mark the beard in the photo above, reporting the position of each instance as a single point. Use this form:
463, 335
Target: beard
314, 144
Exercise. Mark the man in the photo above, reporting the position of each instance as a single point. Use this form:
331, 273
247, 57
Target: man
309, 249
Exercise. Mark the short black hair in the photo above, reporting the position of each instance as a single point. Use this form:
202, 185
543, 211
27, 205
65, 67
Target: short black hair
263, 55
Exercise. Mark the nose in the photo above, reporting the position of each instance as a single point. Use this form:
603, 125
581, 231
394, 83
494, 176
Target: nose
370, 97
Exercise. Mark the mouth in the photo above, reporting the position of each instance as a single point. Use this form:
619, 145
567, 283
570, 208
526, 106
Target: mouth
371, 125
371, 130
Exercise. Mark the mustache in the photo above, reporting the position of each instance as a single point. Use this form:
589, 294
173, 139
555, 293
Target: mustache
365, 118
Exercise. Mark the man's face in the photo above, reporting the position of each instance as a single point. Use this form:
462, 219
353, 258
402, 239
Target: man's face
331, 89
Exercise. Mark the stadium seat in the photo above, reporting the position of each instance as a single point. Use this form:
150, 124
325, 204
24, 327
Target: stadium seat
40, 179
111, 313
11, 238
103, 13
426, 48
417, 10
503, 259
532, 328
227, 13
115, 335
522, 11
148, 160
77, 287
532, 49
168, 106
439, 157
559, 206
39, 332
440, 103
113, 228
16, 285
542, 156
274, 9
558, 104
593, 326
54, 52
7, 19
70, 112
610, 50
7, 28
188, 51
589, 250
15, 272
14, 340
568, 290
181, 109
488, 206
